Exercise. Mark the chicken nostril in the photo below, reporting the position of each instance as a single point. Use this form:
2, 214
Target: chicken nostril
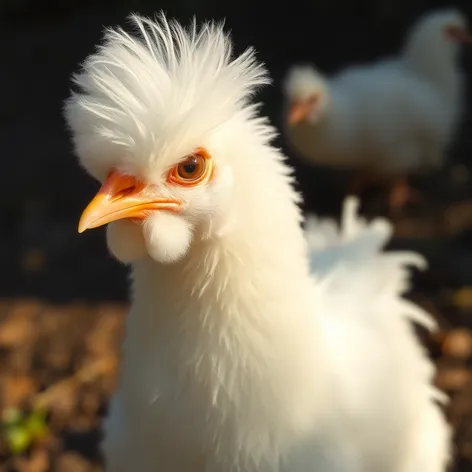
122, 193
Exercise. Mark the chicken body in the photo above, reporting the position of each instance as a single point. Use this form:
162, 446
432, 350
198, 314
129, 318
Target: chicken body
251, 345
383, 119
387, 119
355, 387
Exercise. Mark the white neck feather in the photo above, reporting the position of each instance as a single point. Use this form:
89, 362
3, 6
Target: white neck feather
233, 325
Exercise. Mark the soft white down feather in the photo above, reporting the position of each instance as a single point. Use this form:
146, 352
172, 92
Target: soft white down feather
250, 346
394, 116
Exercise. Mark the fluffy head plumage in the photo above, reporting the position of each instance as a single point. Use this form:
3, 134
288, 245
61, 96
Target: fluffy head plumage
306, 87
137, 94
145, 102
428, 35
303, 81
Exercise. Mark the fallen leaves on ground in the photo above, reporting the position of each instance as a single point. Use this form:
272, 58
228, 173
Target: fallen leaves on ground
62, 360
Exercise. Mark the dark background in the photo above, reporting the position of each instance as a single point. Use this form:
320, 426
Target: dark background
43, 190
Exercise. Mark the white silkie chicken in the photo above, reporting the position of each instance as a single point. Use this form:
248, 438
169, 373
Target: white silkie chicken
238, 356
385, 119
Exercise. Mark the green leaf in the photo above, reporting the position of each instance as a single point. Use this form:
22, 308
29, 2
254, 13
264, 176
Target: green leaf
18, 439
36, 424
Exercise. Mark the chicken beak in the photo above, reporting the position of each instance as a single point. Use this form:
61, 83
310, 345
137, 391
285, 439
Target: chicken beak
465, 37
122, 196
298, 112
460, 35
300, 109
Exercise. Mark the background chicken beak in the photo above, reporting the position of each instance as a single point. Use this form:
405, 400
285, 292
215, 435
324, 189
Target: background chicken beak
460, 35
467, 37
300, 109
463, 36
298, 112
122, 196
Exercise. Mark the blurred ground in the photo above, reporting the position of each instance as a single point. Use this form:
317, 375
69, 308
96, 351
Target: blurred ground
60, 358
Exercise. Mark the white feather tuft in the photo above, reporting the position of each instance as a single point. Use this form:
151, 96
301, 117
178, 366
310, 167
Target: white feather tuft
356, 248
137, 91
167, 236
125, 241
303, 81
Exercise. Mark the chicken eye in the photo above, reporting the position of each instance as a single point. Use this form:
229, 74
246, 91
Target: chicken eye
193, 170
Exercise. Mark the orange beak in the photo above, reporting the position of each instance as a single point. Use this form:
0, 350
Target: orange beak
300, 110
465, 37
459, 35
122, 196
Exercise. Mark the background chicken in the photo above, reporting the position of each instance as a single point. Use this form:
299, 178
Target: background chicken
237, 356
385, 119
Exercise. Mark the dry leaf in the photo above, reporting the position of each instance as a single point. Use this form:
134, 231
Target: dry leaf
15, 389
16, 329
453, 379
71, 462
462, 298
458, 344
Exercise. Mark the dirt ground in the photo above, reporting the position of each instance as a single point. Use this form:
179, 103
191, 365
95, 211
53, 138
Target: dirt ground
58, 361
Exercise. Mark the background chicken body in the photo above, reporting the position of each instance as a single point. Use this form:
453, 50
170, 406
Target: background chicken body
390, 118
